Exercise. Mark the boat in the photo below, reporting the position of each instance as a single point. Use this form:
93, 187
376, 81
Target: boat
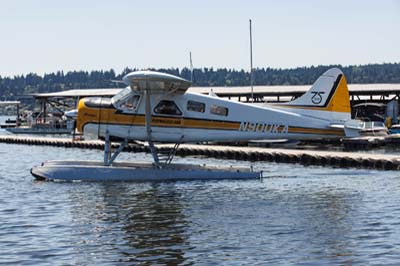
52, 124
358, 128
9, 123
39, 129
394, 129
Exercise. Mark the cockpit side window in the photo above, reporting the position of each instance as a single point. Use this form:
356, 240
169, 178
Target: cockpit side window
166, 107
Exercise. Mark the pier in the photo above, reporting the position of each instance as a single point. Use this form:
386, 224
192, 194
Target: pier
294, 156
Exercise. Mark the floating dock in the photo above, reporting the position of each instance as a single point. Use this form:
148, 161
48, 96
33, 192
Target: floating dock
304, 157
374, 142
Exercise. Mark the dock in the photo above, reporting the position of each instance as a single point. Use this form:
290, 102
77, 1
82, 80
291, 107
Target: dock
259, 154
372, 142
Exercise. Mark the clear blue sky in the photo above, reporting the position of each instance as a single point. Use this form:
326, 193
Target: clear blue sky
46, 35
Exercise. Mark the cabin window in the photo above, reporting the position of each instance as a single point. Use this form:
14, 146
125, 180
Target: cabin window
131, 103
196, 106
167, 108
218, 110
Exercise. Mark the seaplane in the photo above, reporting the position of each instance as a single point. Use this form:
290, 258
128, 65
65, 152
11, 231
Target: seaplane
157, 108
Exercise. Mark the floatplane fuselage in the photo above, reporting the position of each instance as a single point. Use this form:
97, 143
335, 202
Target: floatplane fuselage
181, 117
156, 107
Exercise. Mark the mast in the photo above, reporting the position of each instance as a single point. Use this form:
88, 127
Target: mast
251, 64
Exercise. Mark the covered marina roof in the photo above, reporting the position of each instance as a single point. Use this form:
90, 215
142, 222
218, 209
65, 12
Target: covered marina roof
8, 103
357, 91
294, 90
108, 92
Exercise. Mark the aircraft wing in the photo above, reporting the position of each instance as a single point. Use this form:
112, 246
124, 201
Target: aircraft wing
156, 82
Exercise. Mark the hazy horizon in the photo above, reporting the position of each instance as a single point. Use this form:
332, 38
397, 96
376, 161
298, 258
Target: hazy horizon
187, 67
48, 36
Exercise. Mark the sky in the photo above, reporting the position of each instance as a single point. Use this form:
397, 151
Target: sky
43, 36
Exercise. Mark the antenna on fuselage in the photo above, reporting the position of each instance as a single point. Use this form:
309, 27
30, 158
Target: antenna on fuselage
191, 68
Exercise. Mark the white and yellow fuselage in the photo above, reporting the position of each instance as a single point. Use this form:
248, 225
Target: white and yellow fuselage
191, 117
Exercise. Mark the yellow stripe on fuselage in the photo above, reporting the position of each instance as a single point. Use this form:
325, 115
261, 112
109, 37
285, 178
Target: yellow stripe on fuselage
88, 115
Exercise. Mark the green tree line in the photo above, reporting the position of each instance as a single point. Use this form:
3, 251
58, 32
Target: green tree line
13, 87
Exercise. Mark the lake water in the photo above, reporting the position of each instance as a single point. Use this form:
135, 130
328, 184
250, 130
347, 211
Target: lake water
297, 216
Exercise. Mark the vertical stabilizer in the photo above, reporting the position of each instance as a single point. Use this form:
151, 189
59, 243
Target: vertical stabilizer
328, 93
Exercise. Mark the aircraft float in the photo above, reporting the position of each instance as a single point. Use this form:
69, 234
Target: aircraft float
157, 108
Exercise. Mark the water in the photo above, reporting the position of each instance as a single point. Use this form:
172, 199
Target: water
297, 216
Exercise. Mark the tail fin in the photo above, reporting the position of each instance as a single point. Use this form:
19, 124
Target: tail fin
328, 93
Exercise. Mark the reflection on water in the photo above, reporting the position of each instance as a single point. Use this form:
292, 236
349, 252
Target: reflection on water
147, 223
299, 216
149, 220
328, 214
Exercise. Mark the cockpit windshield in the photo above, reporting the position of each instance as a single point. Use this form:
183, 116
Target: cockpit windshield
122, 94
126, 100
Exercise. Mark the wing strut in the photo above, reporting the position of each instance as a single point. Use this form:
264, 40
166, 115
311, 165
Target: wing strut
109, 157
153, 149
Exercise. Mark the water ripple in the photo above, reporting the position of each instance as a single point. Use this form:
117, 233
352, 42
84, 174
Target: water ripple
299, 215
